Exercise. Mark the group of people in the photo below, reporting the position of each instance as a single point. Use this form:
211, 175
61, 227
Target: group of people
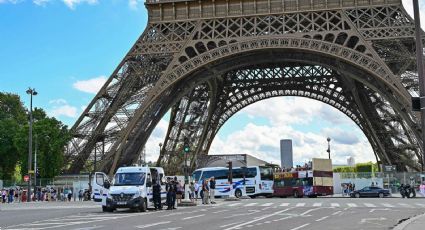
11, 195
305, 167
175, 192
18, 194
347, 188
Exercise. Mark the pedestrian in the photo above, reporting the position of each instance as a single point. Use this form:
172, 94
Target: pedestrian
69, 195
205, 192
11, 193
192, 191
80, 195
174, 194
212, 190
156, 190
196, 191
179, 192
3, 196
170, 193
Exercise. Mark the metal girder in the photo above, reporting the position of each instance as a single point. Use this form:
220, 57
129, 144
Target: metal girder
206, 60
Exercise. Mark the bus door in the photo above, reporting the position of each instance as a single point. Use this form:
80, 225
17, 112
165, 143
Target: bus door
100, 187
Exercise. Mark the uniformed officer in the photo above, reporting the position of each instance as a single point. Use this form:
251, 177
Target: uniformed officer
156, 195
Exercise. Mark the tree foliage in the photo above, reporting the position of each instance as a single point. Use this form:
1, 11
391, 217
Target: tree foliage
49, 138
12, 115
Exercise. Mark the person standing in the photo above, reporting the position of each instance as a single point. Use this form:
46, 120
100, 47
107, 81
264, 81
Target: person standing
212, 190
156, 195
179, 192
196, 191
205, 191
192, 192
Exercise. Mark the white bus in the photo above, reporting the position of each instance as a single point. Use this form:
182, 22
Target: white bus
258, 180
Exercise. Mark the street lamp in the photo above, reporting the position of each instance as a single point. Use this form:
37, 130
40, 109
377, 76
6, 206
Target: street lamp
160, 146
31, 92
329, 147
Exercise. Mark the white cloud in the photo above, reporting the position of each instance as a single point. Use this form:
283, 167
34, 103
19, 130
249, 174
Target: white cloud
73, 3
91, 85
263, 141
41, 2
157, 136
10, 1
134, 4
60, 107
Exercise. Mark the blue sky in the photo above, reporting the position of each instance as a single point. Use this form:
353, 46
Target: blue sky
66, 49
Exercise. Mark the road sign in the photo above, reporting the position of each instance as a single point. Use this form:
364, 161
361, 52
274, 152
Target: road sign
31, 171
389, 168
26, 178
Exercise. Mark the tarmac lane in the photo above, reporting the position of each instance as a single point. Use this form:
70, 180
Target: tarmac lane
291, 214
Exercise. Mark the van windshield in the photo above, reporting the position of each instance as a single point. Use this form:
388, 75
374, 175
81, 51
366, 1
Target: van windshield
136, 178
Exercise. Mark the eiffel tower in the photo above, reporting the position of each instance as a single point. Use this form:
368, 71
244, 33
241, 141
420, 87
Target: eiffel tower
206, 60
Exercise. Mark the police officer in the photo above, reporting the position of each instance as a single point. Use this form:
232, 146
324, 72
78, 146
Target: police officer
169, 188
156, 195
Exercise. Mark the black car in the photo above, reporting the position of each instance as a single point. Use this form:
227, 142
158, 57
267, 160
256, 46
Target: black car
371, 191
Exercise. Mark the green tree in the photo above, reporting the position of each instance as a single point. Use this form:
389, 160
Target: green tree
49, 137
12, 117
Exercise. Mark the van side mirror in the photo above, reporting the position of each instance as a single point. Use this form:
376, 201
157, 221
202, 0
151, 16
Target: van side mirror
106, 184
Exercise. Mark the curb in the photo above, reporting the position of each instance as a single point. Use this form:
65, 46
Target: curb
404, 224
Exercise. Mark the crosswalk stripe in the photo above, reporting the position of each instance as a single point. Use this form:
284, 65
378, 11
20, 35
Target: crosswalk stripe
284, 204
421, 205
266, 204
335, 205
405, 205
317, 204
388, 205
234, 204
250, 204
369, 205
300, 205
352, 205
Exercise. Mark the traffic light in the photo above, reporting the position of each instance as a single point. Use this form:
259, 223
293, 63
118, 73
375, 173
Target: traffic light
186, 147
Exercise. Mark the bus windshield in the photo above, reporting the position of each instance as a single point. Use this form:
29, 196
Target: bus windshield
122, 179
196, 175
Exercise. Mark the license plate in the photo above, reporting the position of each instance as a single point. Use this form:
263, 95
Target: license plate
121, 203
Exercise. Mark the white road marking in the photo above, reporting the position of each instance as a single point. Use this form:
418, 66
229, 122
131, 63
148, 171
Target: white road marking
369, 205
221, 211
234, 204
336, 213
405, 205
258, 219
223, 226
154, 224
320, 219
284, 204
89, 228
302, 226
387, 205
250, 204
379, 209
335, 205
352, 205
317, 204
367, 220
421, 205
191, 217
266, 204
308, 211
300, 205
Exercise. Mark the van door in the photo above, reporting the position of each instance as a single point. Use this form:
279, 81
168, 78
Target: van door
98, 190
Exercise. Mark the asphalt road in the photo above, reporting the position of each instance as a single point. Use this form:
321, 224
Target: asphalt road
261, 213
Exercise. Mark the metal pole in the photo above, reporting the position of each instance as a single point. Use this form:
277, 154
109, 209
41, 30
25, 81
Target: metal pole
419, 61
31, 92
35, 163
329, 147
95, 156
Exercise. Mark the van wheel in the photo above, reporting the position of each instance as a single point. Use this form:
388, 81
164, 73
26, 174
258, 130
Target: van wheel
357, 195
143, 206
381, 195
238, 193
106, 209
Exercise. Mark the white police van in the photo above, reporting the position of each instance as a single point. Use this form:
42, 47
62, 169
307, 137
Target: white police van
131, 188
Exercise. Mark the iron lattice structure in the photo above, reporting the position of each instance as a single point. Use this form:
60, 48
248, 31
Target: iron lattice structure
206, 60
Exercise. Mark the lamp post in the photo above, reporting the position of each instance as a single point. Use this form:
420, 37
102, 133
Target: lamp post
160, 146
31, 92
419, 62
329, 147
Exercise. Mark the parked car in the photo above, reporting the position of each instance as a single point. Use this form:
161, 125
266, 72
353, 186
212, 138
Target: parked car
371, 191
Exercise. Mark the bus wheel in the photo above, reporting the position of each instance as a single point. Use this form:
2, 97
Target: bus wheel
296, 195
238, 193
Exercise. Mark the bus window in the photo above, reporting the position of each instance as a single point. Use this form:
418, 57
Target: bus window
266, 173
217, 174
252, 172
196, 175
